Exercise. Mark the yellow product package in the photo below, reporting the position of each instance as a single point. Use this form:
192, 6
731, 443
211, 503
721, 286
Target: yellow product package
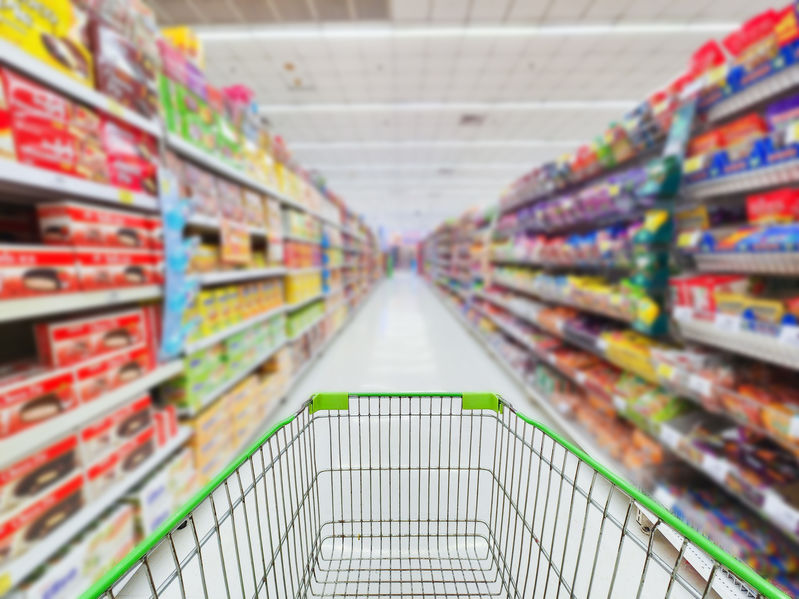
53, 31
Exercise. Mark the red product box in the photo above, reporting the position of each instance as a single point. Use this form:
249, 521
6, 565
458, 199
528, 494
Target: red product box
42, 394
117, 268
71, 223
109, 433
36, 474
91, 162
161, 432
132, 156
27, 270
39, 120
69, 342
110, 372
30, 525
779, 206
121, 462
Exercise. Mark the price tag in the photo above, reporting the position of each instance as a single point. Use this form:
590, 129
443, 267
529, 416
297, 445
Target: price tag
779, 511
125, 196
551, 359
619, 403
717, 468
601, 344
559, 326
789, 334
580, 376
728, 322
682, 312
665, 371
670, 436
701, 385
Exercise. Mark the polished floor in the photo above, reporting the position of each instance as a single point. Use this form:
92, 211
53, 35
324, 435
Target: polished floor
404, 339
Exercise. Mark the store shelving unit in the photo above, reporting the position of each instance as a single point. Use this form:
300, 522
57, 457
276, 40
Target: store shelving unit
14, 572
15, 448
23, 184
232, 381
514, 317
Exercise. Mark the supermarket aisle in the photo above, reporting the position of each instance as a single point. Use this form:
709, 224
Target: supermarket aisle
404, 339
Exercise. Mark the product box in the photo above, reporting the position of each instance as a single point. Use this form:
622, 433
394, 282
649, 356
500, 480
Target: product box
212, 447
75, 224
104, 374
31, 477
39, 122
27, 270
118, 464
132, 156
118, 268
68, 342
91, 161
107, 434
32, 398
63, 578
123, 72
152, 503
108, 541
31, 524
54, 32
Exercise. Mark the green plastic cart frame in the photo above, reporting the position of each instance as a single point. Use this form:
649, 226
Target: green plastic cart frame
434, 494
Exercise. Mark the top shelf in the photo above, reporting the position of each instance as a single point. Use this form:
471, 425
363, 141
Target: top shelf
31, 66
187, 150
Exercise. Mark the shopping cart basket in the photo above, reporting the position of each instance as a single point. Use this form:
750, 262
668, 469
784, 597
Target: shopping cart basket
442, 495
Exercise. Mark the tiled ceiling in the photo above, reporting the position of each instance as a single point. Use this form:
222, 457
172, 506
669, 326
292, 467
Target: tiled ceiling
373, 93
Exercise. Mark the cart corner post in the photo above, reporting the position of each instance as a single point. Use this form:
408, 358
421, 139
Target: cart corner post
330, 401
481, 401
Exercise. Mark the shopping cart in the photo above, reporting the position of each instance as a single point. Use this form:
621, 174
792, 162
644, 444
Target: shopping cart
442, 495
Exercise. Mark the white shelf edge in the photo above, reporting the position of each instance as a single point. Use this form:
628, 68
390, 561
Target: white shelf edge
16, 571
22, 444
29, 65
213, 224
219, 336
26, 179
297, 305
30, 307
188, 412
781, 173
186, 149
215, 278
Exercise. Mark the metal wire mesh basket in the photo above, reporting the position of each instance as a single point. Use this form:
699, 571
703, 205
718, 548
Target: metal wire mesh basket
423, 496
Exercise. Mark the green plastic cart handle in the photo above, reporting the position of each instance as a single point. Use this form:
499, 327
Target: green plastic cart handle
470, 401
